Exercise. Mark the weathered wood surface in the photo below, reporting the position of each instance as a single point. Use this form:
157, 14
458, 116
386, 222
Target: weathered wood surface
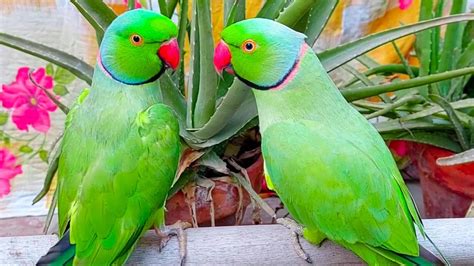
250, 245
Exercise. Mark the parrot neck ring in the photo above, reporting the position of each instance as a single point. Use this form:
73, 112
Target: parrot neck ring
222, 61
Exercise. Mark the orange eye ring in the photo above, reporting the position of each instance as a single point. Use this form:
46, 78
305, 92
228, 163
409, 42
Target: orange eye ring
249, 46
136, 40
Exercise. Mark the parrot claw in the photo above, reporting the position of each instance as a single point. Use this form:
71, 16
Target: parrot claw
176, 229
296, 233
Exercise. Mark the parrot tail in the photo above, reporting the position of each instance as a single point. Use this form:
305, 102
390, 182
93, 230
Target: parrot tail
60, 254
380, 256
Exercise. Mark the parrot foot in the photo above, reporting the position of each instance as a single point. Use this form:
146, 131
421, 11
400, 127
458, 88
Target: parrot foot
176, 229
296, 233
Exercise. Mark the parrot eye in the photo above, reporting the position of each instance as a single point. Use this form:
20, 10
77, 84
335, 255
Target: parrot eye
249, 46
136, 40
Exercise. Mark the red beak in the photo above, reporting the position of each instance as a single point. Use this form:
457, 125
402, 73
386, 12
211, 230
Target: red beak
169, 53
222, 58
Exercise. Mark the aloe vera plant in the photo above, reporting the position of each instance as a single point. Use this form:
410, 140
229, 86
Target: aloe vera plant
438, 112
213, 112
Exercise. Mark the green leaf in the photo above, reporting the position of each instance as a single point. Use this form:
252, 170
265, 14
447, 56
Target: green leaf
396, 125
26, 149
183, 24
271, 9
63, 77
76, 66
243, 117
163, 7
364, 92
237, 93
466, 103
453, 117
3, 118
452, 45
194, 65
213, 161
131, 4
50, 70
335, 57
43, 155
97, 13
236, 12
206, 98
293, 13
52, 168
468, 35
436, 138
60, 90
318, 18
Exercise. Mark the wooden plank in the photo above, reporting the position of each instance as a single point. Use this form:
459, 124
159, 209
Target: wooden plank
251, 245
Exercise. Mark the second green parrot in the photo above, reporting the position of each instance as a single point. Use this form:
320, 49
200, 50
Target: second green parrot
328, 164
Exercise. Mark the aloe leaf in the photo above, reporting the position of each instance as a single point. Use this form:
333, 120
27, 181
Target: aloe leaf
456, 159
271, 9
335, 57
206, 98
466, 103
318, 17
76, 66
236, 12
360, 93
244, 116
423, 38
438, 139
52, 168
410, 99
194, 63
452, 44
97, 13
163, 7
183, 23
465, 60
384, 70
292, 14
231, 101
453, 117
421, 124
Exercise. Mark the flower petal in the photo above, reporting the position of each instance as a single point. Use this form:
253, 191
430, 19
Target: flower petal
4, 187
23, 116
42, 123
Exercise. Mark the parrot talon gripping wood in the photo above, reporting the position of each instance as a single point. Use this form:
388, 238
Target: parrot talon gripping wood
176, 229
296, 233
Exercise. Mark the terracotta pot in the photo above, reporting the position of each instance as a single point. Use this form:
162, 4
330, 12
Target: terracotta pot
447, 190
228, 203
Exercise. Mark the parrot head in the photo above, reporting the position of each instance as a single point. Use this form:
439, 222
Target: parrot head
260, 52
138, 46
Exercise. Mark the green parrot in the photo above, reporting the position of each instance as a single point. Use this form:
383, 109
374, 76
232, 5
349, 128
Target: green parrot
121, 146
328, 164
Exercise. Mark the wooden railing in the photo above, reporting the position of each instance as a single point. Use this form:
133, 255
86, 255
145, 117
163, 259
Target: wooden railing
251, 245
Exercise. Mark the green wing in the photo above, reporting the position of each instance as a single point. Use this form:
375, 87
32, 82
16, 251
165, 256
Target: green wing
340, 185
111, 191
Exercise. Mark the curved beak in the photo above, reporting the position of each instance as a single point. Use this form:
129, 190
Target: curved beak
169, 53
222, 58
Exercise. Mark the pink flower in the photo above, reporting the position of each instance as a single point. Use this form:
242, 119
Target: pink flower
404, 4
8, 170
137, 3
31, 104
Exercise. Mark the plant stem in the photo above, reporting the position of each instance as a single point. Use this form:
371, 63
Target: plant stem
53, 98
360, 93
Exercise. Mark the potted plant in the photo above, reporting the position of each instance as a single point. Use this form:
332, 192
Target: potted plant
435, 120
218, 117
